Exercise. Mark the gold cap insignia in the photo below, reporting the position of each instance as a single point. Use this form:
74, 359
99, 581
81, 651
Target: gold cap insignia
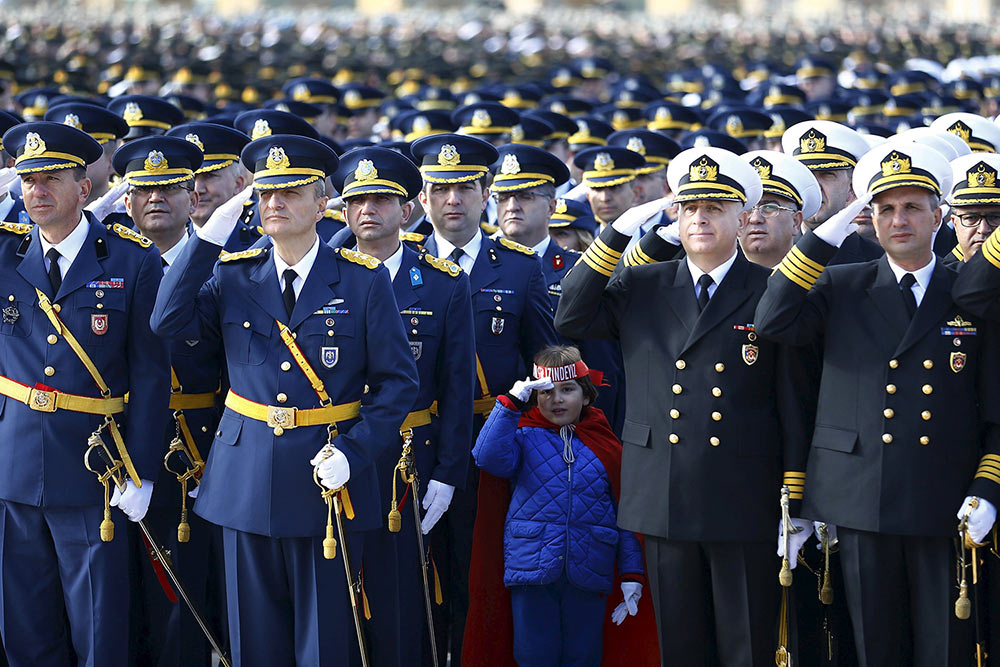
365, 171
421, 124
663, 114
620, 118
132, 113
276, 158
33, 145
982, 176
481, 118
41, 102
962, 130
301, 93
635, 144
557, 107
448, 156
196, 140
734, 125
73, 120
588, 69
824, 111
511, 97
777, 123
603, 162
517, 133
704, 170
763, 168
626, 96
432, 94
260, 129
352, 98
155, 161
510, 165
702, 142
582, 130
812, 142
561, 206
282, 107
896, 163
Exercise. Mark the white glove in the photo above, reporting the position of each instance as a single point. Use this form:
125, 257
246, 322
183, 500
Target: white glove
133, 500
105, 204
577, 193
332, 467
841, 224
7, 177
223, 220
981, 518
831, 534
629, 222
437, 498
632, 591
670, 233
193, 493
334, 203
522, 388
795, 540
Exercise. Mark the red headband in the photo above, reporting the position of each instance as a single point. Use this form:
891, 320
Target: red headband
573, 371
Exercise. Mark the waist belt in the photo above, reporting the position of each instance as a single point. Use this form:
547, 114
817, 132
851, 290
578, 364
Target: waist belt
483, 406
50, 401
419, 417
281, 417
192, 401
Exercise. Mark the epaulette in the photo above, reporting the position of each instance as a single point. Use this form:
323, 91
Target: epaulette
334, 215
359, 258
130, 234
442, 265
243, 254
488, 228
514, 245
957, 252
411, 237
15, 227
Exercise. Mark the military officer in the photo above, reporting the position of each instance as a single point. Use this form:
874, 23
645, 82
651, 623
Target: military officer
435, 305
105, 127
145, 115
702, 432
298, 322
160, 175
512, 319
572, 225
608, 173
975, 204
76, 330
884, 467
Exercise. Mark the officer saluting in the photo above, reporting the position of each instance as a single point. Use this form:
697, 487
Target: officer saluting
378, 186
76, 330
907, 411
305, 328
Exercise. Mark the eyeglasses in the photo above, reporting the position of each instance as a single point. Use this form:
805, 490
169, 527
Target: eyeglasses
970, 220
521, 196
770, 210
165, 190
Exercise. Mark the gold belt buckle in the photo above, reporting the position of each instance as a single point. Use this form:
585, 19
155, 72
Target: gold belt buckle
42, 401
280, 418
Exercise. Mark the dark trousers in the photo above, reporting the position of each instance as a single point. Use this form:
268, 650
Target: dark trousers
715, 602
884, 575
557, 625
64, 593
287, 604
820, 634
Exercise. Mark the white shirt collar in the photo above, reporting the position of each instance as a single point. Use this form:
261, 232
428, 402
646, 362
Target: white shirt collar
70, 246
923, 276
718, 273
6, 205
394, 261
302, 268
170, 256
471, 249
543, 246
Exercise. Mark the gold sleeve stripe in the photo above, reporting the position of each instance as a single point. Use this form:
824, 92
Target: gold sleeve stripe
990, 465
602, 256
791, 275
808, 265
603, 261
991, 250
982, 474
604, 247
637, 257
596, 267
789, 474
795, 495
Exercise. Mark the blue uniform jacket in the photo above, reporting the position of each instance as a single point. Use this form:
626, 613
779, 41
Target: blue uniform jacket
435, 308
348, 328
561, 516
41, 460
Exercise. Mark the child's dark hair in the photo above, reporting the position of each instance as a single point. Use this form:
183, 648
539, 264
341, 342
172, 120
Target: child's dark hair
565, 355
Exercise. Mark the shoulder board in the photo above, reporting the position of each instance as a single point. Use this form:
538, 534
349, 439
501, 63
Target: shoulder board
248, 202
131, 235
514, 245
488, 228
15, 227
957, 252
334, 215
243, 254
411, 237
442, 265
359, 258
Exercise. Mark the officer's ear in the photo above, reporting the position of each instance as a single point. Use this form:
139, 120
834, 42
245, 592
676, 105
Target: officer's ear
85, 186
422, 197
128, 203
407, 209
193, 195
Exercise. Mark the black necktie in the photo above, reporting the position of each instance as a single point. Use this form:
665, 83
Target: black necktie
456, 255
55, 276
704, 283
906, 286
288, 293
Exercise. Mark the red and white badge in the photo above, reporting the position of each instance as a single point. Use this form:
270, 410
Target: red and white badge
99, 323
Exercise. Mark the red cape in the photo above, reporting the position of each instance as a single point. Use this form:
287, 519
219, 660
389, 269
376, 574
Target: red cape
489, 629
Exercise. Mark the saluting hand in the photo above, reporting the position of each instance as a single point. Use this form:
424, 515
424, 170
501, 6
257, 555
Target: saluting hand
628, 222
841, 224
105, 204
7, 177
223, 220
520, 393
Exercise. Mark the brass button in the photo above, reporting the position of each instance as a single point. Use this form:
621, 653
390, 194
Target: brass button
673, 438
926, 415
928, 364
278, 431
888, 413
100, 306
680, 364
10, 297
204, 429
286, 365
295, 334
719, 367
927, 389
887, 438
246, 325
677, 389
330, 332
499, 307
413, 331
56, 307
924, 440
716, 392
281, 398
52, 339
890, 389
675, 413
714, 441
50, 371
893, 363
717, 416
